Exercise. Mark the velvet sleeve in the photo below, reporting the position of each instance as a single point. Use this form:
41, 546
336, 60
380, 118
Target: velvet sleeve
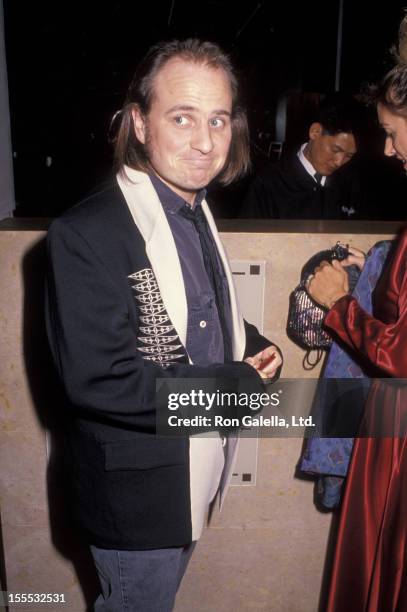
255, 343
383, 344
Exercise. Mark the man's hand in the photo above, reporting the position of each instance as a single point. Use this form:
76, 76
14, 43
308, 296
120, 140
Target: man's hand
266, 362
328, 283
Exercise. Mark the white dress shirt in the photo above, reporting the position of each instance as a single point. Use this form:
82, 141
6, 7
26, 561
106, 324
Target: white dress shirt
307, 165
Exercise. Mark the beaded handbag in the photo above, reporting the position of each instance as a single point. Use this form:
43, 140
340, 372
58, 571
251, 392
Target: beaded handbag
305, 316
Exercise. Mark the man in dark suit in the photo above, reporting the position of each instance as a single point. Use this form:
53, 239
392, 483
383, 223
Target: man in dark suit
140, 289
313, 183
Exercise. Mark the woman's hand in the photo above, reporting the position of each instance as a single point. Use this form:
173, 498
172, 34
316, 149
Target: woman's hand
356, 258
328, 283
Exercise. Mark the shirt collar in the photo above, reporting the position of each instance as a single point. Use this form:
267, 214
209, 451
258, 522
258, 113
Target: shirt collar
307, 164
171, 201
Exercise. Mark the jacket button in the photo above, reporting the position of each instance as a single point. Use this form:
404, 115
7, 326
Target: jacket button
202, 324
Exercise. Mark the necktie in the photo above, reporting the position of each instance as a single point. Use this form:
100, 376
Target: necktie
318, 177
212, 268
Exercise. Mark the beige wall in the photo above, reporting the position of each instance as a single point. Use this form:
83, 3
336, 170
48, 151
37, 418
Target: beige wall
264, 552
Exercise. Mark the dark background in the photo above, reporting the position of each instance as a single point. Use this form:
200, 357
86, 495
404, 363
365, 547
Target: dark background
69, 65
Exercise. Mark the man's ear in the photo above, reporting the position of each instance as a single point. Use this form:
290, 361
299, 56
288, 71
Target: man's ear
139, 124
315, 131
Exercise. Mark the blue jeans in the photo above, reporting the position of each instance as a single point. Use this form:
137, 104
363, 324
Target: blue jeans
139, 580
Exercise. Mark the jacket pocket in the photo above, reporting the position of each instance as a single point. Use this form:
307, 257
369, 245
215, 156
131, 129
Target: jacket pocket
145, 453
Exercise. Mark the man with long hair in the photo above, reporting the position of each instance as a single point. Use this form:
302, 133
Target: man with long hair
139, 289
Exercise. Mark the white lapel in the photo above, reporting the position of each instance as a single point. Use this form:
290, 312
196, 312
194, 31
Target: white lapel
239, 335
149, 216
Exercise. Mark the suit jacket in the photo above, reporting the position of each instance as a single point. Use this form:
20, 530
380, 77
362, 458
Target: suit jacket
285, 190
117, 314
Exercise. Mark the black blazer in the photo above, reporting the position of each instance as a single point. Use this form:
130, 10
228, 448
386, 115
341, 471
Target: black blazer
130, 489
285, 190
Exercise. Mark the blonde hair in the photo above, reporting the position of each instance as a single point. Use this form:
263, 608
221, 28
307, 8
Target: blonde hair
392, 91
399, 51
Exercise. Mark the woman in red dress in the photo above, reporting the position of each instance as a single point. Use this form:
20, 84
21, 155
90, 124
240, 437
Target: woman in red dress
370, 564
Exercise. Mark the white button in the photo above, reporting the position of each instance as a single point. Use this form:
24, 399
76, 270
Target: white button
202, 324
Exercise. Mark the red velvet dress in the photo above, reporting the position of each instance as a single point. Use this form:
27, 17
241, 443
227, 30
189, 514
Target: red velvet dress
370, 564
